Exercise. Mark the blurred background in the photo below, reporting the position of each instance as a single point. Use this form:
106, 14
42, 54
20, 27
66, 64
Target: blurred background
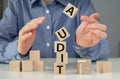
110, 15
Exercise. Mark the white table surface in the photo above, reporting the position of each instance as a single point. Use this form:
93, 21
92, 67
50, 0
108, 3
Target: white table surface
71, 72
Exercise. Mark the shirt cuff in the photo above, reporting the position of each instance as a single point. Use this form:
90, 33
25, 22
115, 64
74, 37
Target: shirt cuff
81, 51
20, 57
16, 55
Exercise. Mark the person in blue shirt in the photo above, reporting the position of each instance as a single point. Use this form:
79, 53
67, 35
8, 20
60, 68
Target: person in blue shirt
31, 25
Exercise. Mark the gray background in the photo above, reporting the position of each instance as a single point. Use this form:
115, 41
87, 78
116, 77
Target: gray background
110, 15
109, 11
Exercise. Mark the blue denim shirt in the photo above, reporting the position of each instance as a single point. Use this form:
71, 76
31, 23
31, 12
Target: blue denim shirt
19, 12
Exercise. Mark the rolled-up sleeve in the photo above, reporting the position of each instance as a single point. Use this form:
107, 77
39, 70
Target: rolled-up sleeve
8, 33
98, 52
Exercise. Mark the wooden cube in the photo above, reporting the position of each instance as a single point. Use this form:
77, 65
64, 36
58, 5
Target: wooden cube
84, 60
14, 66
59, 69
99, 67
27, 66
107, 67
59, 46
38, 66
84, 66
62, 34
71, 10
34, 55
103, 67
62, 57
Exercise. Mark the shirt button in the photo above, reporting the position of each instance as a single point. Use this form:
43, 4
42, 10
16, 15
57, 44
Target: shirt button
48, 44
47, 11
48, 27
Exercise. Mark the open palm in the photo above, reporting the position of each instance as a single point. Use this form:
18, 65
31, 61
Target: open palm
90, 31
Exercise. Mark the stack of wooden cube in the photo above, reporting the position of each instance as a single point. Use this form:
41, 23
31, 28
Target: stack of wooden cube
34, 64
60, 50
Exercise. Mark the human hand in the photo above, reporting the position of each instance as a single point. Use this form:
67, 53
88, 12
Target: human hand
27, 35
90, 32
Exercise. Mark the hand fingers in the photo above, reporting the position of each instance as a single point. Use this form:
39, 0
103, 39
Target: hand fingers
27, 30
82, 27
26, 36
99, 34
32, 25
88, 19
37, 20
94, 40
95, 15
96, 26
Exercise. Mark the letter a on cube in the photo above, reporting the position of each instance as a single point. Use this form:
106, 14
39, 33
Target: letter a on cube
71, 10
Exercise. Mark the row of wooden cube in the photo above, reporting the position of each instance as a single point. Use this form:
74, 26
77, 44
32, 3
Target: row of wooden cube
26, 66
84, 66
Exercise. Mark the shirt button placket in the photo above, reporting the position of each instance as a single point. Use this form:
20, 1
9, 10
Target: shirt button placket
48, 29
